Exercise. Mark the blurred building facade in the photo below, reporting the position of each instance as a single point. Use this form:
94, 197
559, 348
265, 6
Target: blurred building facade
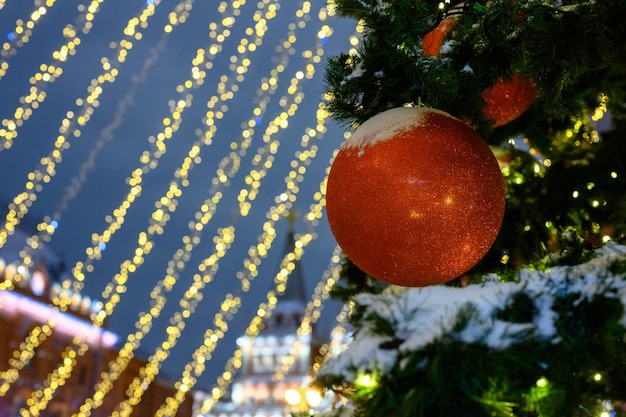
25, 310
256, 391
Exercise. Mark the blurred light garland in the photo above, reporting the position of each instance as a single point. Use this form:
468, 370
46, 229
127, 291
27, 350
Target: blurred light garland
45, 233
61, 301
297, 77
19, 36
312, 311
42, 175
149, 159
194, 294
203, 352
257, 253
160, 217
582, 133
40, 398
48, 73
23, 356
284, 201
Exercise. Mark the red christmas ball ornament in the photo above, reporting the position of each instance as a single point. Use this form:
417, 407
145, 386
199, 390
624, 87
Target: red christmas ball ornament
415, 197
508, 99
433, 40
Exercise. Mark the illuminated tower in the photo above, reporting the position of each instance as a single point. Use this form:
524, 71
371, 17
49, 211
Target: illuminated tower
255, 391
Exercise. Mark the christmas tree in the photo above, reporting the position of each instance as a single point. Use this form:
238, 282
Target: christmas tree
536, 327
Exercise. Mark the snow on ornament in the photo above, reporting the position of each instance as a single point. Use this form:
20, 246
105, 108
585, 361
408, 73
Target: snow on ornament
508, 99
415, 197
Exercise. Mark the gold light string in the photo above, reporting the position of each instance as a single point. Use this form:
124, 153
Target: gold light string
193, 294
62, 301
40, 333
48, 226
48, 73
207, 269
149, 159
39, 399
160, 216
256, 253
582, 132
229, 308
145, 244
191, 298
22, 33
172, 191
601, 109
203, 352
70, 125
338, 338
23, 356
45, 233
312, 311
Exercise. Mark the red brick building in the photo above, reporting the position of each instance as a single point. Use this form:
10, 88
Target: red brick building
28, 306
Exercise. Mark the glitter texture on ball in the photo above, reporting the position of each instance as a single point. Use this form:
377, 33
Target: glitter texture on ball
508, 99
415, 197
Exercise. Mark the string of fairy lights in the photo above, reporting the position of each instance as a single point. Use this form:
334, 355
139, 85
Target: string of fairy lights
178, 15
72, 123
40, 398
582, 133
39, 333
312, 312
56, 378
34, 241
232, 302
163, 207
47, 73
46, 230
191, 297
160, 219
27, 357
149, 160
203, 353
21, 34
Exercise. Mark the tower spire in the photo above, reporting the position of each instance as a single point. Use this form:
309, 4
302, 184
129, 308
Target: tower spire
295, 289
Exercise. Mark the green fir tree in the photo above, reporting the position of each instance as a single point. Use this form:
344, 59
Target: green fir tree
554, 277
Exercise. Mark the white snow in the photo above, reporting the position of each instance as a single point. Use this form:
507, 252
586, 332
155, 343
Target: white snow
386, 125
420, 316
356, 72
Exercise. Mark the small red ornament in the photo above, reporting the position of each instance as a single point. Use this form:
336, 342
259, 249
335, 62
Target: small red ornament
508, 99
433, 40
415, 197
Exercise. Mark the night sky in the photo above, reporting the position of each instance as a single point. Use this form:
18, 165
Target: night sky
99, 154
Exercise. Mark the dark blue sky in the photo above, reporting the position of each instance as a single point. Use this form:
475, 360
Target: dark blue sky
132, 109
